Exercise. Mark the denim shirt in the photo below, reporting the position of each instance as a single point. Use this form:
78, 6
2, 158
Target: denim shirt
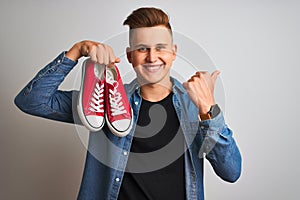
107, 154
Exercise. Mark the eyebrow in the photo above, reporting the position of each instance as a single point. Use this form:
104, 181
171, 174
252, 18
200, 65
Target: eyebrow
147, 46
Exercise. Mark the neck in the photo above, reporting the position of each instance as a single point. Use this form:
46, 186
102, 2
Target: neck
155, 92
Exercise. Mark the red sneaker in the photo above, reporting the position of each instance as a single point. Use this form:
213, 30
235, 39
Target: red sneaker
118, 113
91, 97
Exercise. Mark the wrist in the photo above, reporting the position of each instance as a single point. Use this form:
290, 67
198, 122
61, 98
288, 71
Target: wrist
74, 53
213, 111
204, 110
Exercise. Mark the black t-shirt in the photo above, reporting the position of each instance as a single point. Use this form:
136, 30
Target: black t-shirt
157, 126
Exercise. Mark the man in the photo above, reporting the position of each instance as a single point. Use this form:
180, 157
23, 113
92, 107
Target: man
118, 167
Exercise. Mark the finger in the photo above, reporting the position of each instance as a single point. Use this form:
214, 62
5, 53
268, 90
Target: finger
106, 55
112, 57
110, 65
100, 54
92, 54
201, 73
193, 78
185, 85
214, 75
189, 85
117, 60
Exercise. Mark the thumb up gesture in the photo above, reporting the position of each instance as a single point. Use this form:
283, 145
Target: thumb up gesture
200, 87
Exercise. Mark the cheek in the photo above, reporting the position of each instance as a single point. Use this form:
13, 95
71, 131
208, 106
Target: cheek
135, 63
139, 60
136, 59
168, 58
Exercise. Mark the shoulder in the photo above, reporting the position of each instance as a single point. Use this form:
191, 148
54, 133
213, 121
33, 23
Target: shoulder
177, 86
131, 87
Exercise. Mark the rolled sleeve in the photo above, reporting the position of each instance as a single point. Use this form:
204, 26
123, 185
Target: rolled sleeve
221, 149
41, 96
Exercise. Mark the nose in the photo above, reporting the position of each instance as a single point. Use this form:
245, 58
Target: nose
152, 55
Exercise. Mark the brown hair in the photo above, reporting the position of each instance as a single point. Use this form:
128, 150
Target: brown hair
147, 17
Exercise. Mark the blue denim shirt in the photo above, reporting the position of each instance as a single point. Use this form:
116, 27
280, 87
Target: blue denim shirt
107, 154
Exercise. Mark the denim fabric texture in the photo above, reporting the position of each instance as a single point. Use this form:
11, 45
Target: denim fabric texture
106, 160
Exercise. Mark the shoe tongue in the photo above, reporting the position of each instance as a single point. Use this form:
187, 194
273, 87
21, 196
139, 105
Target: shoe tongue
110, 77
98, 70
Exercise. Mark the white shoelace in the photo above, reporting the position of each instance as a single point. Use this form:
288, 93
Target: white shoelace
115, 100
115, 97
96, 103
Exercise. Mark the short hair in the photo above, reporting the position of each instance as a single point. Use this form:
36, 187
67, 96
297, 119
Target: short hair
147, 17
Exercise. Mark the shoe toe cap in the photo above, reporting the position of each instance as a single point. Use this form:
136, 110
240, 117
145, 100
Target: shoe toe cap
95, 121
122, 125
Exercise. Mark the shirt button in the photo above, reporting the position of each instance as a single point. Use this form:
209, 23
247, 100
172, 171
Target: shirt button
125, 153
117, 179
59, 61
136, 103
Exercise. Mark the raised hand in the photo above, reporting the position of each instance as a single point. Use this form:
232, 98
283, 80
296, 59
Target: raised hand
200, 87
98, 52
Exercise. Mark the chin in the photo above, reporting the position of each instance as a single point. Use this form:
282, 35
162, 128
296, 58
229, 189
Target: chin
144, 81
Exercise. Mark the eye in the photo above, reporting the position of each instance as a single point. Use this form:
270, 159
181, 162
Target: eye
160, 47
142, 49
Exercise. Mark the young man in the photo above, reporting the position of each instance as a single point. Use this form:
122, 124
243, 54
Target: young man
118, 167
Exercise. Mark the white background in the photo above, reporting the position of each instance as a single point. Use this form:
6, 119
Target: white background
255, 44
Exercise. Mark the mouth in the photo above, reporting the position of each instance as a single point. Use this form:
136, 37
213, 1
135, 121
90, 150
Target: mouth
152, 68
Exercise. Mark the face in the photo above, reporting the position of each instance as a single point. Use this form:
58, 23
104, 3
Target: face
152, 53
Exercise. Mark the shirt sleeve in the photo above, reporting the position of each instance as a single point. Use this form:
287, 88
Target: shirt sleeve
41, 97
220, 148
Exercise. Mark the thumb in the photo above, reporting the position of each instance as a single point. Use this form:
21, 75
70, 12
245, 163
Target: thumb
215, 75
112, 64
118, 60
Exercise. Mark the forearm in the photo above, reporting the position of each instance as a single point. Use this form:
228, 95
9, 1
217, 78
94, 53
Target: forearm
221, 149
41, 96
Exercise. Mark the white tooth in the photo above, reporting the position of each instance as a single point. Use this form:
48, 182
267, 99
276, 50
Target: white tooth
152, 68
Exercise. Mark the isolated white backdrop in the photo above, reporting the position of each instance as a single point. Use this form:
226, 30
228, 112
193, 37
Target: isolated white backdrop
254, 43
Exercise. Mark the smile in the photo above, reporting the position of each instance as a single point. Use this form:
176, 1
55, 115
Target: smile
152, 68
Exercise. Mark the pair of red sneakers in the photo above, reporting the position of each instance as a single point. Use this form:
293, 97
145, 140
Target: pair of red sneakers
102, 97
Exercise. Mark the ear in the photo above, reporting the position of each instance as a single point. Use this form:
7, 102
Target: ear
128, 54
174, 50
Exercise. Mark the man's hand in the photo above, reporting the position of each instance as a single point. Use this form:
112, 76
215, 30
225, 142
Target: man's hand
200, 87
100, 53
